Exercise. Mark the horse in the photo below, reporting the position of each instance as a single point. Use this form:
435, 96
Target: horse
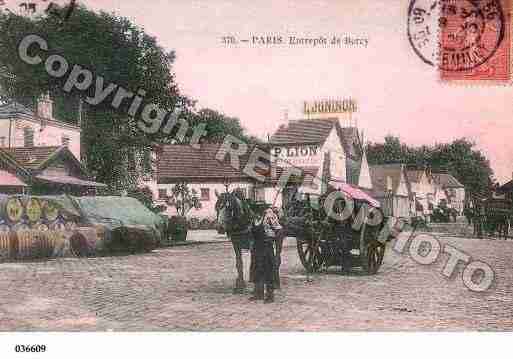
237, 216
500, 223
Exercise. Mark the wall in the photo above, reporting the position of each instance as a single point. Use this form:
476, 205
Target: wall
333, 146
397, 206
48, 135
4, 132
207, 209
459, 199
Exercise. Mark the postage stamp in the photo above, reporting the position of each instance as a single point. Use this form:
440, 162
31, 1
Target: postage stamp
467, 41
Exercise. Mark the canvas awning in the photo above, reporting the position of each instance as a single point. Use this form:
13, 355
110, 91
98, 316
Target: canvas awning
10, 180
63, 179
357, 194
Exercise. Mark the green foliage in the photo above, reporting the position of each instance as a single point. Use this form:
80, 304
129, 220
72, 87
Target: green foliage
458, 158
184, 199
110, 46
122, 53
145, 196
218, 125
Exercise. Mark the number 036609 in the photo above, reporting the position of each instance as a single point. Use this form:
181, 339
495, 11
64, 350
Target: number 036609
36, 348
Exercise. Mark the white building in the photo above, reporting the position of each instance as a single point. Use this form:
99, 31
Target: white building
202, 172
22, 127
393, 190
320, 149
323, 150
451, 190
423, 191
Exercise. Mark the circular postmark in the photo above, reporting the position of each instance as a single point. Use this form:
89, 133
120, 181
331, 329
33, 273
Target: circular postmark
455, 35
61, 9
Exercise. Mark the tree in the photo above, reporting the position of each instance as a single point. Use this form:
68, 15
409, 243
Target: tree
183, 199
110, 46
122, 53
145, 196
458, 158
218, 125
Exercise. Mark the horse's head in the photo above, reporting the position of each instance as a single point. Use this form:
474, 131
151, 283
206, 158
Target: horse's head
232, 213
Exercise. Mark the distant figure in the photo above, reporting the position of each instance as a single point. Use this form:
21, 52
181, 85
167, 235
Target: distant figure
468, 213
479, 220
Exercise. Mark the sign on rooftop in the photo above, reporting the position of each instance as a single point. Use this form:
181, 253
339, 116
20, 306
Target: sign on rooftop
330, 106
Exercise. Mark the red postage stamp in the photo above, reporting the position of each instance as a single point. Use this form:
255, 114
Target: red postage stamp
466, 40
475, 40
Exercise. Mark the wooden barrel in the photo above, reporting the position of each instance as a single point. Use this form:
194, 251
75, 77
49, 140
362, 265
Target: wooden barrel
12, 210
50, 210
33, 210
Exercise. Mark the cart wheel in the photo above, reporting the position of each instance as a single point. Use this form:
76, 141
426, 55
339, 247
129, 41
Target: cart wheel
371, 250
310, 254
372, 258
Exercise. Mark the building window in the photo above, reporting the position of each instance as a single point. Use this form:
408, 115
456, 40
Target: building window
2, 141
259, 194
28, 137
242, 192
162, 193
65, 140
205, 194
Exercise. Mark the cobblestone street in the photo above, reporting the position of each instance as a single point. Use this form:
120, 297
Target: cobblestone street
190, 288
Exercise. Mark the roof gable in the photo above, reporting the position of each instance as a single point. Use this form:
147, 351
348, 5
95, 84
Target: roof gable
350, 139
304, 131
39, 158
446, 180
383, 176
16, 110
31, 157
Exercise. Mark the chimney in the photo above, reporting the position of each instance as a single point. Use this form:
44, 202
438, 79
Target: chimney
285, 119
45, 107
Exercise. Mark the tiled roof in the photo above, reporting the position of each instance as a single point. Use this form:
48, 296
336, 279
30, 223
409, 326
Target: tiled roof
15, 110
304, 131
351, 142
380, 173
183, 162
31, 157
446, 180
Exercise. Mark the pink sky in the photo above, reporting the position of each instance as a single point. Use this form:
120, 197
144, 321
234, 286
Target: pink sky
397, 93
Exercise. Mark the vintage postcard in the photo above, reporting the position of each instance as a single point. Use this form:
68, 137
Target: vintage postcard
265, 166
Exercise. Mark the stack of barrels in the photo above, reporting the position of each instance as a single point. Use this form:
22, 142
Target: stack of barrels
32, 227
